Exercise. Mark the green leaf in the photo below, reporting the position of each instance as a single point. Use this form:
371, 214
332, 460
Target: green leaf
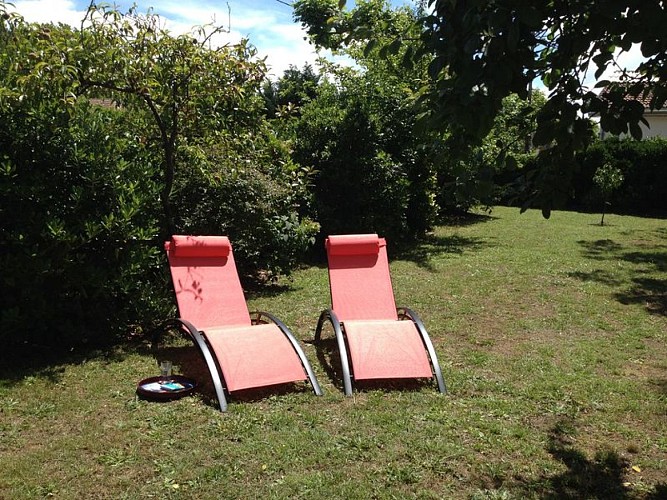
635, 131
395, 46
370, 46
435, 67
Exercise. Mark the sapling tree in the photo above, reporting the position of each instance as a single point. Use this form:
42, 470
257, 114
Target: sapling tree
607, 179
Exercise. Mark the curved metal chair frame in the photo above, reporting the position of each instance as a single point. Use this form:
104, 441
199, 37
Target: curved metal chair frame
257, 317
404, 314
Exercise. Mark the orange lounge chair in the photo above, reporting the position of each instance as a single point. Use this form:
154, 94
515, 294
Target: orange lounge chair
242, 350
384, 342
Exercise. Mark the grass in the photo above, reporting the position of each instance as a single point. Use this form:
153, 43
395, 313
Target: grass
551, 335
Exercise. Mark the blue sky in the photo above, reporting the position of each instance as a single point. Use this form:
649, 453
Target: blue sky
267, 24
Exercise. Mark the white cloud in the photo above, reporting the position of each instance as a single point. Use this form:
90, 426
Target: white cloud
269, 28
56, 11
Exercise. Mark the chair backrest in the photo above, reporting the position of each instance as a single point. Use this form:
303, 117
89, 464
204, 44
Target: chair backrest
359, 277
207, 286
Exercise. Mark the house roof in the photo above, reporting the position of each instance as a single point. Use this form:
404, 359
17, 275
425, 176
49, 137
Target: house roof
644, 98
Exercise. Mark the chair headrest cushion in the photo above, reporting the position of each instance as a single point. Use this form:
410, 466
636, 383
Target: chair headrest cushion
199, 246
354, 244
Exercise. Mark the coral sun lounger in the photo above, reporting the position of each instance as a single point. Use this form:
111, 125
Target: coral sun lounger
242, 350
383, 342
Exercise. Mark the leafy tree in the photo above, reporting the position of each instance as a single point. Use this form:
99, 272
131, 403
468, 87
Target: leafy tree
465, 176
95, 121
607, 179
493, 170
190, 87
373, 173
291, 91
483, 51
369, 173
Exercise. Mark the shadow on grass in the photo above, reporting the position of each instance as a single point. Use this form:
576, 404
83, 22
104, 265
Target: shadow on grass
598, 276
661, 385
464, 219
599, 249
602, 477
424, 250
650, 292
328, 357
34, 361
254, 290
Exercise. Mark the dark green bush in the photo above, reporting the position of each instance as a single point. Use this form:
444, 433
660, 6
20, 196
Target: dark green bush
79, 213
643, 165
246, 186
369, 174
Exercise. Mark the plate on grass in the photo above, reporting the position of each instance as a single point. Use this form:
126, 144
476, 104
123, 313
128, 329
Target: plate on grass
166, 388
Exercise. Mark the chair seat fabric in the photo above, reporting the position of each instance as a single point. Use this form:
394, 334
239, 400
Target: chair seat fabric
386, 349
254, 356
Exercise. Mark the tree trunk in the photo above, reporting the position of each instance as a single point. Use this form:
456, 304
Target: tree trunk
169, 167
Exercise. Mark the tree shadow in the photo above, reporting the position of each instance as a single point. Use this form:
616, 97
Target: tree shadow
601, 477
661, 385
598, 276
254, 290
424, 250
648, 291
599, 249
50, 364
464, 219
654, 259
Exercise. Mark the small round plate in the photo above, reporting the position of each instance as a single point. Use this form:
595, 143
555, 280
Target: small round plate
164, 389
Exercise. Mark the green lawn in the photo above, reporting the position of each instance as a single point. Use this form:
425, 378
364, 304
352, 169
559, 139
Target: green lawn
551, 335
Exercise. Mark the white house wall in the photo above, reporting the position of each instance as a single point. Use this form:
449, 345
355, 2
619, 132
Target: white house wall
658, 124
658, 127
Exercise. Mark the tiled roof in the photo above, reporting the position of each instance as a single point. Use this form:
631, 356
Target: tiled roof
644, 98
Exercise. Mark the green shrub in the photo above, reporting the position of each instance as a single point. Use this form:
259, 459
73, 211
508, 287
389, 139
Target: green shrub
79, 206
247, 187
86, 190
369, 174
643, 165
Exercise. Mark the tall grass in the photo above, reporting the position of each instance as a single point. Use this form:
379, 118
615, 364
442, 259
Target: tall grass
551, 335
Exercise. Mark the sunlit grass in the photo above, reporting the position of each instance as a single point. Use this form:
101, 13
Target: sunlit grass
551, 335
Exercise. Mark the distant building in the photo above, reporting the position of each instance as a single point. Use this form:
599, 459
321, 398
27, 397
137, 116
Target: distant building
656, 118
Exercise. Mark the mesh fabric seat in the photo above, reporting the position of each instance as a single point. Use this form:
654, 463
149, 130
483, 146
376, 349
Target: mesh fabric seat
376, 339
